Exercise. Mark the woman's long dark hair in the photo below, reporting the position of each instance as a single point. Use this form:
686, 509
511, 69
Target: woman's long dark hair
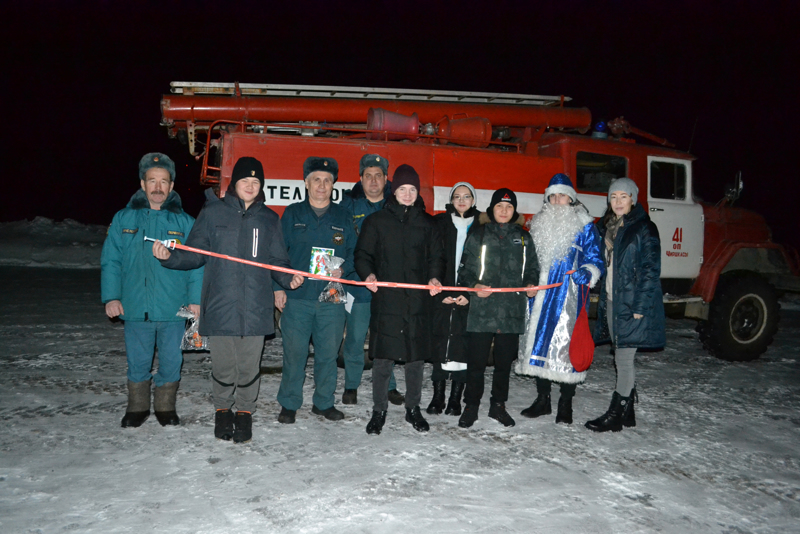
607, 216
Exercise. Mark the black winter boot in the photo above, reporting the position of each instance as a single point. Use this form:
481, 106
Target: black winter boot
497, 411
164, 404
223, 425
414, 416
469, 416
564, 414
396, 398
331, 414
243, 427
350, 396
628, 415
138, 404
286, 416
437, 402
375, 424
541, 406
612, 419
454, 402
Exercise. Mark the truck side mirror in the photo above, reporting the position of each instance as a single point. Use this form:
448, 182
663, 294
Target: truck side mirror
733, 192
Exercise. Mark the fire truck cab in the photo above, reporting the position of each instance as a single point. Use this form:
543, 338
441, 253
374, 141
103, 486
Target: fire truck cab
719, 264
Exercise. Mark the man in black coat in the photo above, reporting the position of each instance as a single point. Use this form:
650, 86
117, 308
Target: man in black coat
237, 300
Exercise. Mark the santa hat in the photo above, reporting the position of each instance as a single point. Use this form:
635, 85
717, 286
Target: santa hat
560, 183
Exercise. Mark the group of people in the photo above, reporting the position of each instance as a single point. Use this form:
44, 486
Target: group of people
381, 232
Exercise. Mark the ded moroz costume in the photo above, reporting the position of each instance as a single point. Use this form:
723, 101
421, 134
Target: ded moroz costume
566, 240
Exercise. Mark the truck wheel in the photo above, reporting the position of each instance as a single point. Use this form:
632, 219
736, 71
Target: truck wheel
742, 320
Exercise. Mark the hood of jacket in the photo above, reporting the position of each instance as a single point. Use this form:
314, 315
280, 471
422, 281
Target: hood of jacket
233, 201
397, 209
358, 191
139, 201
636, 214
231, 191
472, 212
483, 218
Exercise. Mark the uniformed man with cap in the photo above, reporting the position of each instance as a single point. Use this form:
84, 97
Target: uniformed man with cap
146, 296
367, 196
312, 228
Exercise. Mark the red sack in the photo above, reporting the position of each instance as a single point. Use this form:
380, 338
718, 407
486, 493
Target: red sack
581, 345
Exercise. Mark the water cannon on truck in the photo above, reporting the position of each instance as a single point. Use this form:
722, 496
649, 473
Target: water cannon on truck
719, 263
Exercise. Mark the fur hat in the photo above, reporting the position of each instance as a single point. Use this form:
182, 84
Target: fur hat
405, 175
156, 160
502, 195
625, 185
464, 184
247, 168
313, 164
560, 183
373, 160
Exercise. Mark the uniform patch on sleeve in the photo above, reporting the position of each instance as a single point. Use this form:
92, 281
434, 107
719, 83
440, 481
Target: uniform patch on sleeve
129, 230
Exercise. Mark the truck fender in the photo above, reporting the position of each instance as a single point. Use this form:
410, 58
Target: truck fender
767, 259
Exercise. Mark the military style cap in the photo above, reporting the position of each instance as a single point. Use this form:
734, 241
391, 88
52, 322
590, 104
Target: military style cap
373, 160
314, 163
156, 160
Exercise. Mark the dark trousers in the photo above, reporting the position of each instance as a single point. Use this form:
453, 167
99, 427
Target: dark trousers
505, 352
543, 387
382, 370
235, 371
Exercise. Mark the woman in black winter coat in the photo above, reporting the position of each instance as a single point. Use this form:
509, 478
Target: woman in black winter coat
400, 243
630, 311
459, 220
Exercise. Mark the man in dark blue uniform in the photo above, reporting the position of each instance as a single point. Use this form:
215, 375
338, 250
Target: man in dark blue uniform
367, 197
314, 228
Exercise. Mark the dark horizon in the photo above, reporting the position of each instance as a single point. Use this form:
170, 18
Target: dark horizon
84, 81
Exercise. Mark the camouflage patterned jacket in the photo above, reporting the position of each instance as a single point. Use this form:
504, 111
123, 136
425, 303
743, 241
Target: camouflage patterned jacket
498, 255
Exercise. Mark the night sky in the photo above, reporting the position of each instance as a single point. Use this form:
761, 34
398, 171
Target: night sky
83, 80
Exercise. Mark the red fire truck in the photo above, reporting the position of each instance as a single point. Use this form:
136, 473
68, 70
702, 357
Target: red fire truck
719, 263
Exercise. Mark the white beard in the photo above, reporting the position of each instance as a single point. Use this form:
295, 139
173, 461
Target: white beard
554, 229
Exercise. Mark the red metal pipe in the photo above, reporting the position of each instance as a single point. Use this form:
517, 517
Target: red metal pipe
205, 109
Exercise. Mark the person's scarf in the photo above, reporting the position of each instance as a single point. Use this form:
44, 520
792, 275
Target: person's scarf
462, 225
612, 227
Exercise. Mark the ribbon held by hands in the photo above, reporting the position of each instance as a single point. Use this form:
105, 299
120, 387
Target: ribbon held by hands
172, 245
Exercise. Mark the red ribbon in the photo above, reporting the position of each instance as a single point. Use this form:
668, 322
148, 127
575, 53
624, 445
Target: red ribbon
355, 283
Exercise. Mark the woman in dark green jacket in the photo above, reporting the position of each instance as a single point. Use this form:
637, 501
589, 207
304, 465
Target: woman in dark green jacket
630, 311
498, 254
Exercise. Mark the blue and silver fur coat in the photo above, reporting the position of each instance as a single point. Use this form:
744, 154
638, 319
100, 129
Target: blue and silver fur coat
566, 239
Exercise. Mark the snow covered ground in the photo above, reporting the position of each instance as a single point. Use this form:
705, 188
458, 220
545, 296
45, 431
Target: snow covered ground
43, 242
716, 448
